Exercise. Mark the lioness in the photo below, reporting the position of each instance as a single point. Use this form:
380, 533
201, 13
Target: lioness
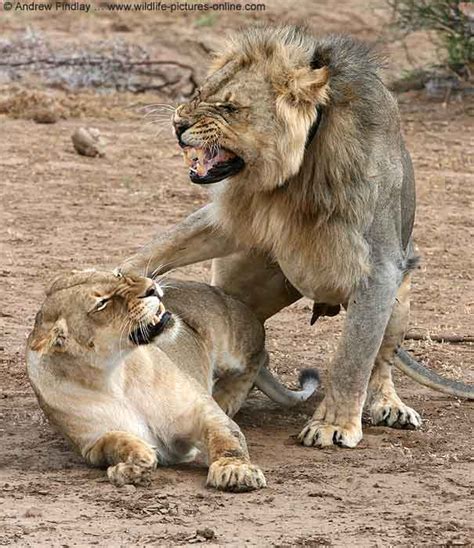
312, 195
132, 385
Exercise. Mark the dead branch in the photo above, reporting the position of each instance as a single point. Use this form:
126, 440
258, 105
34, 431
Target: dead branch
444, 337
80, 61
115, 72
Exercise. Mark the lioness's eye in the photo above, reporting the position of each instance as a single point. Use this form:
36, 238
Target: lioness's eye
101, 304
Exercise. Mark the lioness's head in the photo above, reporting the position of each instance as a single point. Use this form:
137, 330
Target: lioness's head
256, 109
99, 315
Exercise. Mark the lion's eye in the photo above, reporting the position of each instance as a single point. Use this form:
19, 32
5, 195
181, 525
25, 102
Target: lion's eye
228, 107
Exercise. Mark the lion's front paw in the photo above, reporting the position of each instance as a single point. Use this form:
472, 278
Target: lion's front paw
391, 411
318, 433
128, 473
230, 474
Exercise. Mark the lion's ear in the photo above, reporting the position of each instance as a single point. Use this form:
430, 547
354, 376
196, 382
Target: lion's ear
49, 339
305, 85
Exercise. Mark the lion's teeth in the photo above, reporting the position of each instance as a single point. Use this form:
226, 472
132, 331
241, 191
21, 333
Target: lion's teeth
189, 156
201, 170
195, 159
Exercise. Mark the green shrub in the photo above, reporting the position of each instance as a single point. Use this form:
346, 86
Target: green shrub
450, 21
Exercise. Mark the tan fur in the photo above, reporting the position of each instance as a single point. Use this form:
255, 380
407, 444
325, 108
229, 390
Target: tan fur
328, 219
131, 408
274, 205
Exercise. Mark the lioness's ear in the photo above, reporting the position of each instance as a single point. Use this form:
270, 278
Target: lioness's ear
53, 338
305, 85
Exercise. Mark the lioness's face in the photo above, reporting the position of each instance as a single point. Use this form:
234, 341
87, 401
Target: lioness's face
100, 314
251, 117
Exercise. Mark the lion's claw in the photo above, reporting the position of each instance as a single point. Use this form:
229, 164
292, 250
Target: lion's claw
394, 413
320, 434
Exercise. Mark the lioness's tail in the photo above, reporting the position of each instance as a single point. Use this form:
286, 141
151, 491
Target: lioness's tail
427, 377
271, 386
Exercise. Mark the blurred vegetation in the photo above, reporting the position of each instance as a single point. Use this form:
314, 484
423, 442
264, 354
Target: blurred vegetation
207, 20
452, 22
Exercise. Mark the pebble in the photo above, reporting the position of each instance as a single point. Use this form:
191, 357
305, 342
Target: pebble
206, 533
33, 513
88, 142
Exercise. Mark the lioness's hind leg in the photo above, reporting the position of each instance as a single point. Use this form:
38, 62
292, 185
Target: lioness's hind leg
385, 407
129, 459
231, 390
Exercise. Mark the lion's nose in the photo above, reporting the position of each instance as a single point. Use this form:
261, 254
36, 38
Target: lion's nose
180, 126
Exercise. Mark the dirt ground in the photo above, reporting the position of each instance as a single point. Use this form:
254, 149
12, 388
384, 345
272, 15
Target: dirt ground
61, 210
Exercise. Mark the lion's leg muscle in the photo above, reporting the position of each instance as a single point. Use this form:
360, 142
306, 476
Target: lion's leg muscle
256, 281
384, 405
193, 240
129, 458
338, 418
230, 468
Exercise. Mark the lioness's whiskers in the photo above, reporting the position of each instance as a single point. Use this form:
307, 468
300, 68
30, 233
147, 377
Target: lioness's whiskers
145, 271
166, 285
127, 324
160, 266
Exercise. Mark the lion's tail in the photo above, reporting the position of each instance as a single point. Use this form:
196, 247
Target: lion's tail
271, 386
427, 377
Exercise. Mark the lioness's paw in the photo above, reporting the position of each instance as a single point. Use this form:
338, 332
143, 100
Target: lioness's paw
127, 473
234, 475
321, 434
143, 456
391, 411
230, 407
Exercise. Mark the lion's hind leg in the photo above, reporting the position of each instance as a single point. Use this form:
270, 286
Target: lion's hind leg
384, 405
129, 458
233, 387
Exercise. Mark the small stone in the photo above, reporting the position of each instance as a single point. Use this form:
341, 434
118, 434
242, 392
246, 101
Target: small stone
44, 115
206, 533
33, 513
88, 142
120, 27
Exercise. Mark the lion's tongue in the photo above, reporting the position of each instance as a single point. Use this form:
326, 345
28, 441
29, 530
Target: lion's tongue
201, 161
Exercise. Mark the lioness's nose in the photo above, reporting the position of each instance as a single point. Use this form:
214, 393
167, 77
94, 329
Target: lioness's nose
150, 292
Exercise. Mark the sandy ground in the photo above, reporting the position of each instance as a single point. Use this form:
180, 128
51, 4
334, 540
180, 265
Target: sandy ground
60, 210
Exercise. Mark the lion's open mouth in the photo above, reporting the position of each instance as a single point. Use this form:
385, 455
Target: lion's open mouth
146, 333
211, 165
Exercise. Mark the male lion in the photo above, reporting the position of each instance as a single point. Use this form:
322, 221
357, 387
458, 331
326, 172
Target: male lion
315, 198
128, 404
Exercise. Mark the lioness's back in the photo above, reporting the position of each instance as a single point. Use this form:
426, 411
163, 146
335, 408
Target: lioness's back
213, 312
